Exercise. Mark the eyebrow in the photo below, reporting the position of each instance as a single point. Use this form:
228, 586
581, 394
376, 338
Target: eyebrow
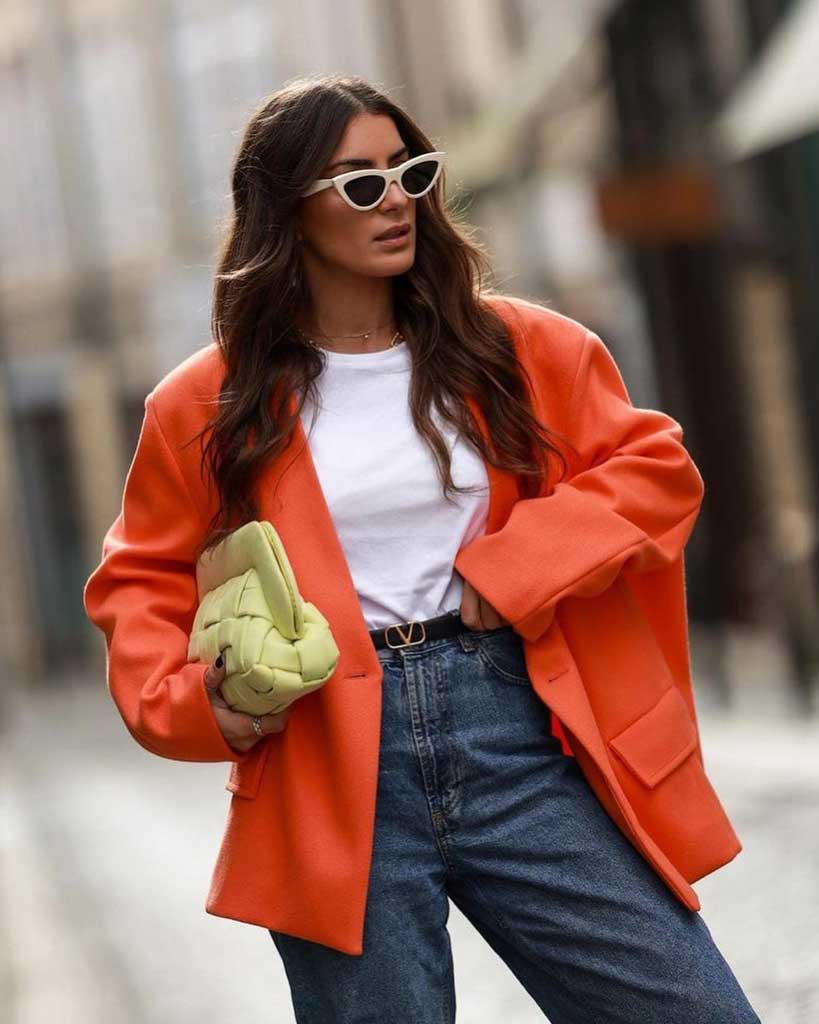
357, 161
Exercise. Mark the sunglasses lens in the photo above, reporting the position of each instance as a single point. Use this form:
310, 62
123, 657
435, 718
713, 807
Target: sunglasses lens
366, 190
418, 178
369, 188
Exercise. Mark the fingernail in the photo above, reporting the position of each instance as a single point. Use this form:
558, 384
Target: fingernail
219, 661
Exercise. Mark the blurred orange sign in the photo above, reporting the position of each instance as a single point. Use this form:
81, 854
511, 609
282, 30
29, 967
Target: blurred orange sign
661, 204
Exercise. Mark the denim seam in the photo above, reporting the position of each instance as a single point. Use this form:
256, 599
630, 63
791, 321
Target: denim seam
420, 744
455, 765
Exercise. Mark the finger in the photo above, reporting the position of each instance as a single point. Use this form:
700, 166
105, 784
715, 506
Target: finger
478, 622
470, 613
215, 673
235, 724
489, 616
217, 698
225, 719
273, 722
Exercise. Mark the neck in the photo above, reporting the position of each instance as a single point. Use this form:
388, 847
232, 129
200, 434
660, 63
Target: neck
352, 306
377, 342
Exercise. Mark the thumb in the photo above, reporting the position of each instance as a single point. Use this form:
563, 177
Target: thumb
470, 607
215, 673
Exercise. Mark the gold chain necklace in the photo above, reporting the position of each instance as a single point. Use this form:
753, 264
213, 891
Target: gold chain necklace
396, 338
364, 334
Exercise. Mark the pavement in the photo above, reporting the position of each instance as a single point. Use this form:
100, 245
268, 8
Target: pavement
106, 853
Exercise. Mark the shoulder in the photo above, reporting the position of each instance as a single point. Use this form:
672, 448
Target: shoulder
528, 313
201, 371
186, 396
539, 332
549, 344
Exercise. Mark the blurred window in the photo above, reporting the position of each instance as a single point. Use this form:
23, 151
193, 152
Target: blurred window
109, 72
224, 62
55, 538
33, 237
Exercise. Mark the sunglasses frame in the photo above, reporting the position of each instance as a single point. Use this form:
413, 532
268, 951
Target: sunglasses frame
388, 177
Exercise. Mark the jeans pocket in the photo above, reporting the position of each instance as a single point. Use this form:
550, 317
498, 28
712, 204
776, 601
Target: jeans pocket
502, 651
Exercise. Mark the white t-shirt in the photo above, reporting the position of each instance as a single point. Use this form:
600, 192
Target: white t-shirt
380, 481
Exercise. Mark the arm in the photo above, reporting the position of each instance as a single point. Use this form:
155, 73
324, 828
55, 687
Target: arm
143, 597
632, 506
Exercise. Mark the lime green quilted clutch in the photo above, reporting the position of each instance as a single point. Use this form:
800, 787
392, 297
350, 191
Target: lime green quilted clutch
277, 647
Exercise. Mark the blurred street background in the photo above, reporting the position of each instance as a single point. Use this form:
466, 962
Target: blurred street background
648, 167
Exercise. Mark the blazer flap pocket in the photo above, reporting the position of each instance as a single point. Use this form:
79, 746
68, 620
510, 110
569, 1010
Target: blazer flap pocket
659, 740
246, 775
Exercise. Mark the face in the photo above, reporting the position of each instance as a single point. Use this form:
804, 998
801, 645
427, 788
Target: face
333, 233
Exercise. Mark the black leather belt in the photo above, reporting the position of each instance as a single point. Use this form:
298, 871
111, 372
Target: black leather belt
416, 631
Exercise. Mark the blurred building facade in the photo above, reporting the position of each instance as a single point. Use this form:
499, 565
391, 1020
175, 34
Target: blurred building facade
577, 139
718, 287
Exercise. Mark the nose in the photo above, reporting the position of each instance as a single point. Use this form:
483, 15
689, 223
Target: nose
394, 193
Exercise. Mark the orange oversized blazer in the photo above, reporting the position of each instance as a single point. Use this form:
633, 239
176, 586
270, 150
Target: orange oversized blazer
591, 576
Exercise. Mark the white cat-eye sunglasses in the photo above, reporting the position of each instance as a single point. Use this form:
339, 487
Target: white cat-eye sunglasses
365, 189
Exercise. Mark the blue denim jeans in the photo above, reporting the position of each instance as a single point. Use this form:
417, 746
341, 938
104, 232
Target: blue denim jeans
478, 804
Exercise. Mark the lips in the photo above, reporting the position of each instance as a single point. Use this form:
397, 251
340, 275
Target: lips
396, 232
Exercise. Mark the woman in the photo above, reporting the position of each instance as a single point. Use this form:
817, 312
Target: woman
511, 723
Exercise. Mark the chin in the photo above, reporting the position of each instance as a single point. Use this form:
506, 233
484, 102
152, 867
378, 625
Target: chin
388, 267
406, 258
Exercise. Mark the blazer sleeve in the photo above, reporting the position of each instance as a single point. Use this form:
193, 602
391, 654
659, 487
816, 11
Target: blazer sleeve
143, 597
631, 506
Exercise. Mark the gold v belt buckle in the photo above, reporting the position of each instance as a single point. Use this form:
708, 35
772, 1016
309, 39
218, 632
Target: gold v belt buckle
407, 642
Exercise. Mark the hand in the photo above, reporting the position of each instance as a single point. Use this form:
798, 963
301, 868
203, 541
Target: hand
477, 613
236, 726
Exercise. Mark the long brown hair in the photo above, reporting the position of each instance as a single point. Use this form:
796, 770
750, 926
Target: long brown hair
459, 345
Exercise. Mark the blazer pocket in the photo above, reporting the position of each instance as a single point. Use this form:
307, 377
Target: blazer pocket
246, 775
659, 740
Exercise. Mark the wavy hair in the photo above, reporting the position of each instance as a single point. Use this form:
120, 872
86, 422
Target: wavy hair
459, 345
